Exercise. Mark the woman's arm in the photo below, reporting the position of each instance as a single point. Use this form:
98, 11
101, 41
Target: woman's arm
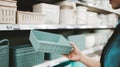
89, 62
77, 55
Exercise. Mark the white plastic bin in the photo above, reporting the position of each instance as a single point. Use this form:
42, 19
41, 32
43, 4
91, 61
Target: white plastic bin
30, 18
7, 12
112, 20
92, 19
51, 11
67, 15
81, 16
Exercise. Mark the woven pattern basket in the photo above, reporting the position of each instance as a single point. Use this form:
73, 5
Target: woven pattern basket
49, 42
25, 56
30, 18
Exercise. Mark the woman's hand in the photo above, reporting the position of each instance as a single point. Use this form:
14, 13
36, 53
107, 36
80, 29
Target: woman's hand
75, 54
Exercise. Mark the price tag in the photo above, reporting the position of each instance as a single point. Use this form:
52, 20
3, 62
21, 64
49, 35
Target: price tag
6, 27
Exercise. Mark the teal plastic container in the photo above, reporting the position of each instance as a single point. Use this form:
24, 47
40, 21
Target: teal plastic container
77, 64
79, 40
4, 53
49, 42
26, 56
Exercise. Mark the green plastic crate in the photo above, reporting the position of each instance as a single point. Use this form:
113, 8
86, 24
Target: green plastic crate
79, 40
49, 42
26, 56
4, 53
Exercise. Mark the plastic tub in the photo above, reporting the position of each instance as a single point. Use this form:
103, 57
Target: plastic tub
49, 42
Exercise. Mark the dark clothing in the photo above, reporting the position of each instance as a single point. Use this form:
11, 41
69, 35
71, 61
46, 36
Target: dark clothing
111, 52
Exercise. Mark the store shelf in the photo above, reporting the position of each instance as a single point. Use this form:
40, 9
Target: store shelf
29, 27
96, 9
63, 59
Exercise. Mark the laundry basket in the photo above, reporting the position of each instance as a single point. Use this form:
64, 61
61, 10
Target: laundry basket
4, 53
25, 56
49, 42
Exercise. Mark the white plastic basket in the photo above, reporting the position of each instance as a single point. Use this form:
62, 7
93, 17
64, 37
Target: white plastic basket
7, 15
51, 11
30, 18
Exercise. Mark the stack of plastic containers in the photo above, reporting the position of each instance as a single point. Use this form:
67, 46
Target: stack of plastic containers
25, 56
104, 20
81, 15
92, 19
4, 53
112, 20
67, 13
51, 12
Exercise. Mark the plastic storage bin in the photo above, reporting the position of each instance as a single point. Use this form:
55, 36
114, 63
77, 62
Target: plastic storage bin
49, 42
30, 18
25, 56
81, 15
112, 20
67, 15
92, 17
4, 53
51, 11
7, 12
79, 40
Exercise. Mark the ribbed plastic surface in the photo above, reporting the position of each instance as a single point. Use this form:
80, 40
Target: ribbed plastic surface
30, 18
7, 14
4, 53
49, 42
25, 56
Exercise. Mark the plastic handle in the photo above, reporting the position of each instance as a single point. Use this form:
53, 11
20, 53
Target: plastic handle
4, 42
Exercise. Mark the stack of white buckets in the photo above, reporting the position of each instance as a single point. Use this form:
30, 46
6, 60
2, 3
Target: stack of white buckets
69, 14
